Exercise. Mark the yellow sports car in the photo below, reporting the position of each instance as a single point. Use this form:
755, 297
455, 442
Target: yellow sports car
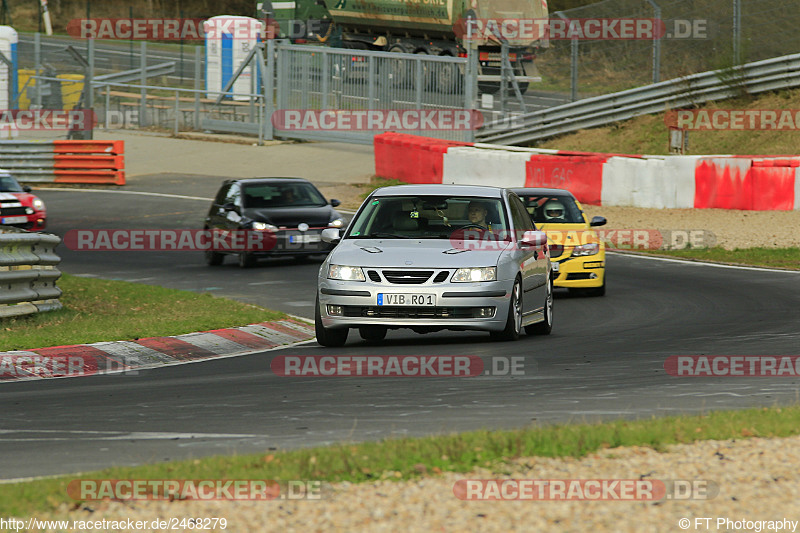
577, 253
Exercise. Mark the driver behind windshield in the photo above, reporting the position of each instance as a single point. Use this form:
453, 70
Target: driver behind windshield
476, 213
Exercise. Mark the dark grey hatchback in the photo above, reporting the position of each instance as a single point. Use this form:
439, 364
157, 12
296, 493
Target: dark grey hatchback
290, 212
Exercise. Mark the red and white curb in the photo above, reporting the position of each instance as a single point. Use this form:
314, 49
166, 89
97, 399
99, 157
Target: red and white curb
126, 356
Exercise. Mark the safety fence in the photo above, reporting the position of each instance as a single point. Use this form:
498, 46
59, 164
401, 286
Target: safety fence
762, 183
28, 272
73, 161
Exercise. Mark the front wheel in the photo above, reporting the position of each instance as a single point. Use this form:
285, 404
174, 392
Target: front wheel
514, 319
545, 326
246, 260
331, 338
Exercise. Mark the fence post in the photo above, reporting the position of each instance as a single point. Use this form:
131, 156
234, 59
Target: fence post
656, 44
198, 63
37, 54
90, 75
177, 111
269, 80
143, 103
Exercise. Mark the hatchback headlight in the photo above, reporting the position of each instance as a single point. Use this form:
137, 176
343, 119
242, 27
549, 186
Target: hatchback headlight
38, 204
263, 226
346, 273
338, 223
591, 248
475, 274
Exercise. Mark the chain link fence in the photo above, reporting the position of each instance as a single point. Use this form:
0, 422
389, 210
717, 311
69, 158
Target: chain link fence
701, 35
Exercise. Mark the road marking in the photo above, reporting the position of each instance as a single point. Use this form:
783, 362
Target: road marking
162, 195
703, 263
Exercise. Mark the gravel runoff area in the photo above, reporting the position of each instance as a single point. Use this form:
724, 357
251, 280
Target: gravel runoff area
750, 479
730, 228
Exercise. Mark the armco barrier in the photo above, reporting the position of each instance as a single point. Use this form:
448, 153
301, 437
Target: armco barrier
764, 183
98, 162
28, 272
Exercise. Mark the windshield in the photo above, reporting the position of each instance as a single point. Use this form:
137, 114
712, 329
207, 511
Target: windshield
552, 209
9, 184
282, 195
427, 217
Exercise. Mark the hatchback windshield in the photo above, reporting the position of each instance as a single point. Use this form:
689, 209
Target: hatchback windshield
9, 184
427, 217
549, 209
282, 195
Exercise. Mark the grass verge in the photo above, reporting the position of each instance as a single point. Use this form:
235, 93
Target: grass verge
763, 257
411, 458
98, 310
376, 182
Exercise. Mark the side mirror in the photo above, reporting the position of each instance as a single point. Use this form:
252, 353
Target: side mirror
27, 188
533, 238
230, 207
335, 202
331, 235
598, 221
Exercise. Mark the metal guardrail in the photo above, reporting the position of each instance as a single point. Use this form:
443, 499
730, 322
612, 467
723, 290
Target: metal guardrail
28, 272
760, 76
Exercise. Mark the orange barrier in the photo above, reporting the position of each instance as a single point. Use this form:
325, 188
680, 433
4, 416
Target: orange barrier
96, 162
411, 158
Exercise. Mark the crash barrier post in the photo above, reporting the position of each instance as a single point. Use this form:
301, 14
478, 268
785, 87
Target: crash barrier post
72, 161
28, 272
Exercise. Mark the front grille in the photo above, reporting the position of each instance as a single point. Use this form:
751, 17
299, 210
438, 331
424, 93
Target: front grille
441, 276
11, 211
556, 250
372, 311
407, 277
374, 276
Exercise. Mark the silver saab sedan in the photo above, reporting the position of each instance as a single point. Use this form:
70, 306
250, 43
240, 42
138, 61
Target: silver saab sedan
435, 257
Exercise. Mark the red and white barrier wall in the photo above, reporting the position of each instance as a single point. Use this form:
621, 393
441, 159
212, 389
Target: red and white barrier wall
761, 183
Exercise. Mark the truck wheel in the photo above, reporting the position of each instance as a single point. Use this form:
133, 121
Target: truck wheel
397, 72
448, 78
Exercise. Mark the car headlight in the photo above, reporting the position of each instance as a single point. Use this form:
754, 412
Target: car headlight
38, 204
263, 226
586, 249
475, 274
338, 223
346, 273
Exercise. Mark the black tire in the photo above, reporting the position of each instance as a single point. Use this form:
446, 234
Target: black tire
545, 326
514, 319
214, 258
331, 338
372, 333
592, 291
247, 260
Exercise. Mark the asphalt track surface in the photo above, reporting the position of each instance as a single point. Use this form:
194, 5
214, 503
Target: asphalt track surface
603, 360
